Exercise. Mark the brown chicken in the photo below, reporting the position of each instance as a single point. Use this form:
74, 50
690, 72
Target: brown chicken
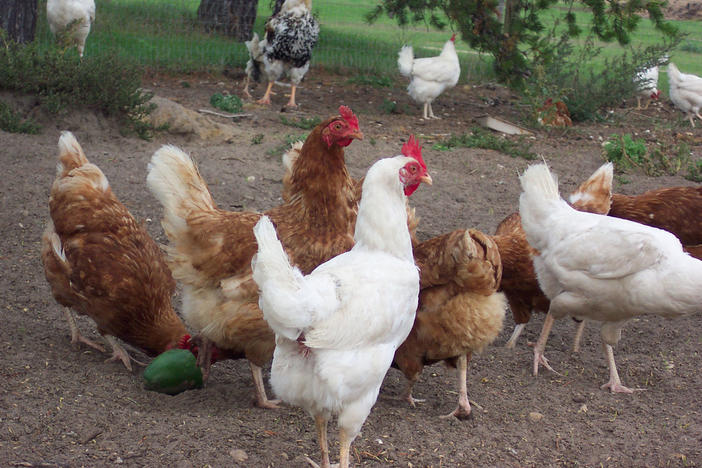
459, 312
101, 263
554, 114
210, 249
675, 209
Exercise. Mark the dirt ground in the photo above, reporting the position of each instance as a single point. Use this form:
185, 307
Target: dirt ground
65, 407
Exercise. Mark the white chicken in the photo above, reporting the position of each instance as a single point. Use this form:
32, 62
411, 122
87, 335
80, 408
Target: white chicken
646, 86
430, 76
337, 328
603, 268
72, 18
291, 34
685, 92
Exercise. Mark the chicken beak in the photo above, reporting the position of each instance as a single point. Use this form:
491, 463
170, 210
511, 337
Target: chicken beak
426, 178
358, 135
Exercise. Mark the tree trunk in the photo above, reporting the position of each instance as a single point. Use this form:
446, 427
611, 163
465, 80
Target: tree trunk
233, 17
19, 19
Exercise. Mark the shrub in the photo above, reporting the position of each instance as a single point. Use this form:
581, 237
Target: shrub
11, 122
62, 80
625, 153
229, 103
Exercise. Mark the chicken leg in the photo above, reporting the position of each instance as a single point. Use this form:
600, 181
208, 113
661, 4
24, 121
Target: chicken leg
262, 400
344, 451
266, 99
614, 384
540, 346
518, 328
578, 336
431, 113
118, 353
76, 337
320, 421
291, 102
407, 394
463, 409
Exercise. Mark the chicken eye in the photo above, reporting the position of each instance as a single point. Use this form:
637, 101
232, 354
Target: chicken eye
337, 126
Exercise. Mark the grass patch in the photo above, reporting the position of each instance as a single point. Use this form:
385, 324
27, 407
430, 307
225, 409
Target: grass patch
371, 80
694, 172
481, 138
11, 122
288, 140
626, 152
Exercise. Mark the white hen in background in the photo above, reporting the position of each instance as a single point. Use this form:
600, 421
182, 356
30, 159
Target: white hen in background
72, 18
337, 329
646, 86
685, 92
431, 76
603, 268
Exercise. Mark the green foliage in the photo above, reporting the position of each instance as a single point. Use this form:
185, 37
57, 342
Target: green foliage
11, 122
515, 35
481, 138
257, 139
62, 80
563, 73
390, 106
229, 103
285, 145
694, 171
302, 122
626, 153
376, 81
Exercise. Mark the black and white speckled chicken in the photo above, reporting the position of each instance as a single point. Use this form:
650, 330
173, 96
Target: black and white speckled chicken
291, 34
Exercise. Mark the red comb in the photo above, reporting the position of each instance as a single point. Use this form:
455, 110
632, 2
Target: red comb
453, 38
412, 149
184, 342
348, 115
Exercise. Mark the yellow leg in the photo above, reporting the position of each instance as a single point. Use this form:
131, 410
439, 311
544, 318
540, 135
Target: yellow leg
266, 99
262, 400
291, 102
345, 450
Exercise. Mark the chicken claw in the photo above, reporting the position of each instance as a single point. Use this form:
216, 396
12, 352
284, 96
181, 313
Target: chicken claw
76, 337
118, 353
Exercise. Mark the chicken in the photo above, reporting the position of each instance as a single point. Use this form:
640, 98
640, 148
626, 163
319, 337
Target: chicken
431, 76
253, 65
554, 114
604, 268
210, 249
291, 34
685, 92
101, 263
71, 20
646, 86
459, 311
676, 209
337, 328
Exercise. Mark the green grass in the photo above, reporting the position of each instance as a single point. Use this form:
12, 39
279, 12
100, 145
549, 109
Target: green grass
165, 34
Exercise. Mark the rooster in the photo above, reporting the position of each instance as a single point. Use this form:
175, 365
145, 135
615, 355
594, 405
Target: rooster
676, 209
604, 268
431, 76
291, 34
71, 19
338, 327
210, 249
460, 311
101, 263
685, 92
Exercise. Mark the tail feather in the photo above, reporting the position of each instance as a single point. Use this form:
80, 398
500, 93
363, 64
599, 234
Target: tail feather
674, 74
405, 60
174, 179
290, 302
538, 200
71, 154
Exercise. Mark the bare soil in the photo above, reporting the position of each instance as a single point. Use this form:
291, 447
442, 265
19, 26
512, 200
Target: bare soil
61, 406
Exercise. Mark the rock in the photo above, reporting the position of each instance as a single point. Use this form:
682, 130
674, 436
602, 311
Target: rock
535, 417
238, 455
583, 408
180, 120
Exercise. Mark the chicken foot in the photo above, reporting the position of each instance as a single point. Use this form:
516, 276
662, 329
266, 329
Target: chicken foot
429, 112
262, 400
266, 99
614, 384
204, 355
119, 353
76, 337
462, 411
291, 102
540, 346
320, 422
407, 394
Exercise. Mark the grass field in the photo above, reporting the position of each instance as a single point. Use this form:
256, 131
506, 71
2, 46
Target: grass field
165, 34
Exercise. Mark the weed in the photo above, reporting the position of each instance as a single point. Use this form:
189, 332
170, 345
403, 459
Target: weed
11, 122
694, 171
302, 122
392, 107
229, 103
480, 138
627, 153
289, 140
257, 139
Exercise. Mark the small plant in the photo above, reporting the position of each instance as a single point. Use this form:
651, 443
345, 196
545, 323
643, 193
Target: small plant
302, 122
11, 122
283, 147
379, 81
391, 107
480, 138
230, 103
625, 152
257, 139
694, 171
